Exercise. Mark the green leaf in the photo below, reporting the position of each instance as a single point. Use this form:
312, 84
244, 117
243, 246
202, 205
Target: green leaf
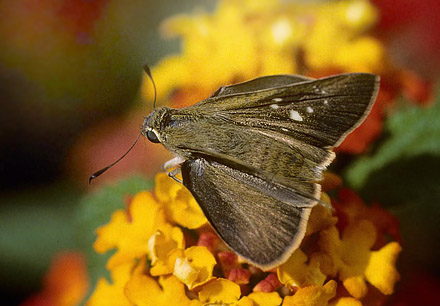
413, 131
34, 225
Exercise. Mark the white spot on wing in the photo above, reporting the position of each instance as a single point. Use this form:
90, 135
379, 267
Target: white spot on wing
277, 99
325, 102
284, 129
294, 115
309, 109
274, 106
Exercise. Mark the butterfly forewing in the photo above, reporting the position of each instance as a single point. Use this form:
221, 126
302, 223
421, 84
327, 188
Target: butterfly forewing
283, 133
318, 112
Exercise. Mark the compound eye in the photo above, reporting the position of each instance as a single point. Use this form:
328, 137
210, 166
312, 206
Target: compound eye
152, 136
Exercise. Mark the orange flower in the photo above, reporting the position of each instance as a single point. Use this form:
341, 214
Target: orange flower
65, 284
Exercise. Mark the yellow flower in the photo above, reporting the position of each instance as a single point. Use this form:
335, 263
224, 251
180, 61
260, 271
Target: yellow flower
381, 271
224, 292
178, 202
144, 290
193, 266
345, 301
160, 246
129, 231
112, 294
240, 40
295, 272
220, 291
354, 262
267, 38
312, 295
319, 296
336, 41
265, 298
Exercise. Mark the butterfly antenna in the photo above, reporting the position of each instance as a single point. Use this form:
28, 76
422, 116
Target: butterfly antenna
98, 173
148, 72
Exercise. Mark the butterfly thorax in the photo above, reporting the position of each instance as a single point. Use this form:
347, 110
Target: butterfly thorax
167, 126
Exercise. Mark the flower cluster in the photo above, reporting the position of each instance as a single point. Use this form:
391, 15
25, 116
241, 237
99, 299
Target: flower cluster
243, 39
167, 254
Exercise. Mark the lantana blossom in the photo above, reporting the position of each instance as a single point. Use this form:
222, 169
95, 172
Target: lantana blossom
183, 266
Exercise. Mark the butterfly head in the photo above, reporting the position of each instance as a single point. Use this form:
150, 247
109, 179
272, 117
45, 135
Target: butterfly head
154, 124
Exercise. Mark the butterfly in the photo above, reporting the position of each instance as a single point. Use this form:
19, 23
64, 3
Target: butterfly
253, 153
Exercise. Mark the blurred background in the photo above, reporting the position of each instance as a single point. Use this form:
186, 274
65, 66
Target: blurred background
73, 93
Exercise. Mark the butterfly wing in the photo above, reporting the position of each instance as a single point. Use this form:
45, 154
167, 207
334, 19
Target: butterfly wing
265, 82
284, 133
245, 211
255, 151
319, 112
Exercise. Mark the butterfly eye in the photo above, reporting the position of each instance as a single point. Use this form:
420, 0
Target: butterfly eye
152, 136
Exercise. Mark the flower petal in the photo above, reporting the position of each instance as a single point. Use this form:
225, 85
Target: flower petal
381, 271
294, 271
144, 290
345, 301
112, 294
269, 284
194, 267
356, 286
185, 211
265, 298
159, 247
165, 188
180, 205
220, 291
130, 231
312, 295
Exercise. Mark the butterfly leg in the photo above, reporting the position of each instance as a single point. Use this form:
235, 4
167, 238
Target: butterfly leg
173, 163
173, 174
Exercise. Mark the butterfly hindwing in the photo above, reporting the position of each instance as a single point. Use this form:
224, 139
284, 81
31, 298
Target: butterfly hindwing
260, 221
